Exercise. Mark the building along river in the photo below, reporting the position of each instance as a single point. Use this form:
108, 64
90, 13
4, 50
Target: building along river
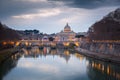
56, 64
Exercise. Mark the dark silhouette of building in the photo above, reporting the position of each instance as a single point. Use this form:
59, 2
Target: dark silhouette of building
106, 29
7, 34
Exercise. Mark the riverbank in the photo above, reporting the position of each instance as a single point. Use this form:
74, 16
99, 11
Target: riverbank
99, 56
5, 54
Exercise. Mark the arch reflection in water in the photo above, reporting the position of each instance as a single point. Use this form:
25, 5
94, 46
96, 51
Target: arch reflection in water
98, 70
56, 64
35, 52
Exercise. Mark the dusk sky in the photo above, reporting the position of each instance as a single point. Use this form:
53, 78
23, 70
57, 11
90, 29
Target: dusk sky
50, 16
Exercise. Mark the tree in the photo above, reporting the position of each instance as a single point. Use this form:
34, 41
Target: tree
79, 36
28, 32
51, 39
36, 31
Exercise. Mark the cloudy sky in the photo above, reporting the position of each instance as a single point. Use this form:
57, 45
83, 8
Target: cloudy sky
50, 16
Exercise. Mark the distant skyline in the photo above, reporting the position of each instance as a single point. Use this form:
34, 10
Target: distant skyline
50, 16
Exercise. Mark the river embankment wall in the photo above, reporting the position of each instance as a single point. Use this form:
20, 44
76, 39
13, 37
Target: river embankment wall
102, 47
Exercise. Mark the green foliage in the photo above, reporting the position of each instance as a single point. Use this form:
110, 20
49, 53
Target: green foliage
27, 32
79, 36
36, 31
51, 39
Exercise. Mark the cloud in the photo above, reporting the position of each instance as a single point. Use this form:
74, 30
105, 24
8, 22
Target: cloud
45, 14
10, 8
79, 19
75, 16
89, 4
41, 13
42, 67
32, 0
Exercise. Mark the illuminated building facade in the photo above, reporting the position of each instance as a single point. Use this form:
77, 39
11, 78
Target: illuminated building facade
65, 35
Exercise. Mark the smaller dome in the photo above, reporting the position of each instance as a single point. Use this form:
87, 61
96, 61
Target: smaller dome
67, 28
45, 37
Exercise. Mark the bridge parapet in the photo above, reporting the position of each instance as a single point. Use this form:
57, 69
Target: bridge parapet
53, 43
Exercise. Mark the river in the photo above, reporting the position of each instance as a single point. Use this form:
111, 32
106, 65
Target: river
56, 64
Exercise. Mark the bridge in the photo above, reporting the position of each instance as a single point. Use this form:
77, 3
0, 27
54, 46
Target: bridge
48, 43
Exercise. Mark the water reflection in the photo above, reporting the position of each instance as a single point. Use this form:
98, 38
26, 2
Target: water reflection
56, 64
103, 70
35, 52
8, 65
